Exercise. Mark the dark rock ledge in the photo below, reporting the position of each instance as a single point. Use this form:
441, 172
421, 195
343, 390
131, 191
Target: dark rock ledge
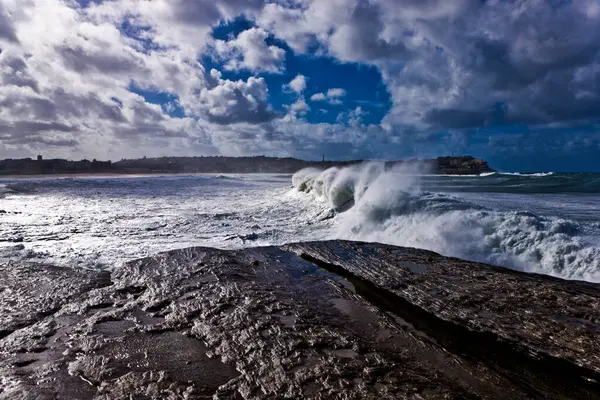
315, 320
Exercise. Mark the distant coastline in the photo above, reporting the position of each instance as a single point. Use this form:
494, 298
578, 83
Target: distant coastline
463, 165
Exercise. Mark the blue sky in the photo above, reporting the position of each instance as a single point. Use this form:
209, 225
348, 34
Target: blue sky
362, 83
515, 83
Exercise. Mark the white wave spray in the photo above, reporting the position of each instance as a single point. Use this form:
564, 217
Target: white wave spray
388, 206
536, 174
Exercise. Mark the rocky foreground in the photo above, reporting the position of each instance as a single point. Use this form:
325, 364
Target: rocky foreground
316, 320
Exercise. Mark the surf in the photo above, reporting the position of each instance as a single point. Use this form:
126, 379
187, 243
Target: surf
376, 204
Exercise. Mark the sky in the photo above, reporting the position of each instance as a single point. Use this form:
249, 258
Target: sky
516, 82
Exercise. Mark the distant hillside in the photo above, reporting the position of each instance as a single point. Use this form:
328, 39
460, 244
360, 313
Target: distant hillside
261, 164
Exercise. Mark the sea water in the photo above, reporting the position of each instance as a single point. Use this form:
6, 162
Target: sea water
546, 223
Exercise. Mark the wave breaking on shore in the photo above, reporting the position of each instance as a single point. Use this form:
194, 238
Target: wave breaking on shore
389, 206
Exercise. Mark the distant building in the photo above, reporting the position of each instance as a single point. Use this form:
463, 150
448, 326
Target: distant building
40, 158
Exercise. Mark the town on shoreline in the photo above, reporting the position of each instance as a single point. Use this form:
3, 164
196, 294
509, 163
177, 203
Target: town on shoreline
462, 165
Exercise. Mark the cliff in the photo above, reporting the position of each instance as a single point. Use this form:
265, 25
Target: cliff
314, 320
442, 165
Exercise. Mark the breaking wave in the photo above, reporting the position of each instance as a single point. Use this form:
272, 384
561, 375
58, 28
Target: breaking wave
538, 174
10, 189
390, 206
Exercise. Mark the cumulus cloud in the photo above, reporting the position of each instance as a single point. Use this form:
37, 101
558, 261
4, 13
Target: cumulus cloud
298, 84
463, 63
66, 70
229, 102
250, 51
70, 75
63, 66
300, 107
355, 116
333, 96
336, 92
7, 31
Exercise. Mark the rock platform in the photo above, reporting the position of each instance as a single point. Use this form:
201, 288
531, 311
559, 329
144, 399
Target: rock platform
320, 320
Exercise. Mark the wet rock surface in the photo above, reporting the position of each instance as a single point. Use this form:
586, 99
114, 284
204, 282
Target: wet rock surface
314, 320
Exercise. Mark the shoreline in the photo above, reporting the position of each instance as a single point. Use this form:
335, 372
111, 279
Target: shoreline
167, 174
463, 165
128, 175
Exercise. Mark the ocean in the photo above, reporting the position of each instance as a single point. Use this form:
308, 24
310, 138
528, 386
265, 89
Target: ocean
545, 223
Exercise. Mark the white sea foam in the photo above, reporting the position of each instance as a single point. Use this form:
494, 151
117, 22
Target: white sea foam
390, 207
536, 174
103, 221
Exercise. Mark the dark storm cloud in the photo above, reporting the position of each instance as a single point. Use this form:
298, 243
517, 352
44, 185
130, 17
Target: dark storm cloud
243, 112
38, 108
151, 131
360, 38
450, 64
71, 106
28, 127
15, 72
208, 12
63, 105
455, 118
81, 61
38, 140
7, 30
196, 12
111, 112
36, 133
147, 115
539, 59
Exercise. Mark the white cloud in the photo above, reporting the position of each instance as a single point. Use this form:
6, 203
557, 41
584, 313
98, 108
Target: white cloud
353, 117
228, 102
66, 71
450, 64
298, 84
250, 51
336, 92
318, 97
300, 107
332, 96
65, 75
288, 23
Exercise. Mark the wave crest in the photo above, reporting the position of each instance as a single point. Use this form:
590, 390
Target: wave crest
10, 190
341, 188
388, 206
535, 174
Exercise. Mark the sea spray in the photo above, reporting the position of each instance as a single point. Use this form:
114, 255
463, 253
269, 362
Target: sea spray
547, 224
342, 188
389, 206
